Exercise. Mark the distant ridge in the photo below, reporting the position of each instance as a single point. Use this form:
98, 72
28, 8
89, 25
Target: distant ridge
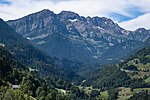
95, 40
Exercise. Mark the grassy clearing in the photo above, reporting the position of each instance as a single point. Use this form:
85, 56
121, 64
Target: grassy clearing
139, 65
87, 89
32, 69
62, 91
124, 93
143, 69
138, 74
137, 90
32, 98
147, 80
104, 95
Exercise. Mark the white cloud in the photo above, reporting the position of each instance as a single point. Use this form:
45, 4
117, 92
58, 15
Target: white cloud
82, 7
20, 8
139, 22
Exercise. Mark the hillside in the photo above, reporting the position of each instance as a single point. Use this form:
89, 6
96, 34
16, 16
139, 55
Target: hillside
28, 55
12, 74
8, 63
137, 66
130, 78
23, 84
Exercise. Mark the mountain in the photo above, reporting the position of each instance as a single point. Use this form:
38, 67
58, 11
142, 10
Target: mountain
125, 49
17, 45
133, 73
140, 34
139, 62
71, 40
28, 55
85, 39
130, 78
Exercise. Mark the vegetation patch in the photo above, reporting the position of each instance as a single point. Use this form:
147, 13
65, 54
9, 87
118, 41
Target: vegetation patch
124, 93
104, 94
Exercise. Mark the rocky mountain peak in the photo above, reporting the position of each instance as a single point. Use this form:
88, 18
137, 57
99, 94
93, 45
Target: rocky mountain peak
69, 15
45, 12
140, 30
105, 23
140, 34
68, 35
89, 19
37, 15
42, 14
99, 20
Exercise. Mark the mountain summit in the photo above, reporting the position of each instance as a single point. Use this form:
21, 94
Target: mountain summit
71, 36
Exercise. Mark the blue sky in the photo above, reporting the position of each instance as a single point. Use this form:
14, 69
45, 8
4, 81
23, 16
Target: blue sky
129, 14
135, 11
4, 2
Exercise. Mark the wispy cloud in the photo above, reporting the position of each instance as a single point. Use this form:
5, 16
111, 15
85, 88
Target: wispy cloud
139, 22
124, 12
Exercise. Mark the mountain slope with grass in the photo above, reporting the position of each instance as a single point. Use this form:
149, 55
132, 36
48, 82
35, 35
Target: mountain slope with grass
133, 72
130, 78
137, 66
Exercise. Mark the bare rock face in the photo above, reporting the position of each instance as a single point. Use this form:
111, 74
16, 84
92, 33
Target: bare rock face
69, 35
